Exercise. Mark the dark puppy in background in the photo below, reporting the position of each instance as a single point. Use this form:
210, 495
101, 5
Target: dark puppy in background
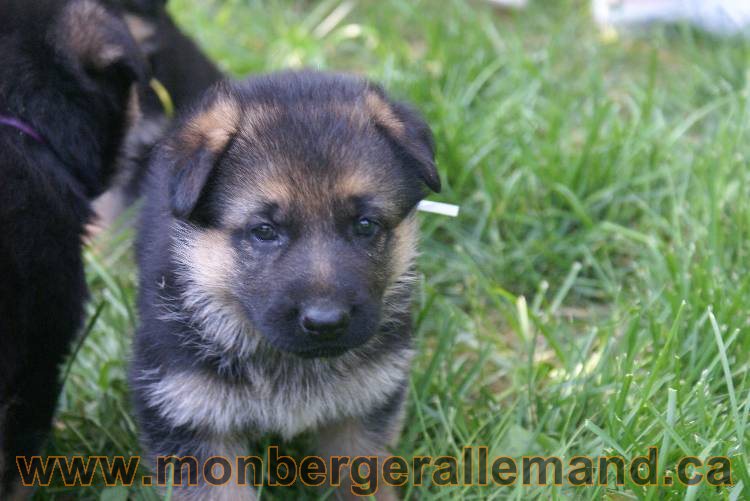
276, 256
67, 75
182, 70
176, 60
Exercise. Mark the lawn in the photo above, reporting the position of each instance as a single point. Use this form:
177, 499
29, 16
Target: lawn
592, 297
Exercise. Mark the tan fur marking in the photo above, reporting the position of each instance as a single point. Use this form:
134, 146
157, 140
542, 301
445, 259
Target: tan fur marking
275, 189
204, 273
362, 181
141, 29
401, 277
328, 390
404, 246
214, 127
383, 115
323, 267
268, 189
83, 28
355, 182
212, 260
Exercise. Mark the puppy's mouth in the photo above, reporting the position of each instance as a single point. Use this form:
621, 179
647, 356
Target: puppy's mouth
321, 352
306, 348
310, 348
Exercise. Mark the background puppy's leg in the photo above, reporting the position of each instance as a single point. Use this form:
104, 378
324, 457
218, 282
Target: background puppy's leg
33, 378
369, 435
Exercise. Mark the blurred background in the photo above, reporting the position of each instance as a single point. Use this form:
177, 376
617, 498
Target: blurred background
592, 296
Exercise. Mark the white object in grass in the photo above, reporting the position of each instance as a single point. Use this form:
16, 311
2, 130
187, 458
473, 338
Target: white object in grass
510, 3
721, 17
438, 208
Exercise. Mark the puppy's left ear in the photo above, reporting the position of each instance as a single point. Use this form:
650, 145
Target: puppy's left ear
408, 132
100, 42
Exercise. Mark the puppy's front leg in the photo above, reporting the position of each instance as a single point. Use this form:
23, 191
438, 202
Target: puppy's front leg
207, 480
361, 437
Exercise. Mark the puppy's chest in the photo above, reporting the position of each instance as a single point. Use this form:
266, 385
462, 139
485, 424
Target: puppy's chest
287, 399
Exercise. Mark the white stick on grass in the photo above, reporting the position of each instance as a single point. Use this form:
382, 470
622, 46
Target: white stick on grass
438, 208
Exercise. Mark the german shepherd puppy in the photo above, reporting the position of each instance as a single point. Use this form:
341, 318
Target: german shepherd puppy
185, 72
276, 254
67, 75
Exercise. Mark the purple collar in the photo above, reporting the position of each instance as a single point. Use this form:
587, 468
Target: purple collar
22, 126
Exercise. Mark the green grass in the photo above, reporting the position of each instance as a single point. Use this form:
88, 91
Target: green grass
592, 298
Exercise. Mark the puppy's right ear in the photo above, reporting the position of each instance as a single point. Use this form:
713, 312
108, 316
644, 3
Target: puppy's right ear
198, 148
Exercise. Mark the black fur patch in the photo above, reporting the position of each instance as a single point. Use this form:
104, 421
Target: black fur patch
76, 99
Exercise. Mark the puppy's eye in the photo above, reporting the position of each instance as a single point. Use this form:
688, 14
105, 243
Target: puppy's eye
364, 227
265, 233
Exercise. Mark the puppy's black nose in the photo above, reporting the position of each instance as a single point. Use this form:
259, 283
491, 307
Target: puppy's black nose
326, 320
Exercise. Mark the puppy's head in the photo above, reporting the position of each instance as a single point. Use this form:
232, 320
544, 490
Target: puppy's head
295, 194
98, 49
75, 66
